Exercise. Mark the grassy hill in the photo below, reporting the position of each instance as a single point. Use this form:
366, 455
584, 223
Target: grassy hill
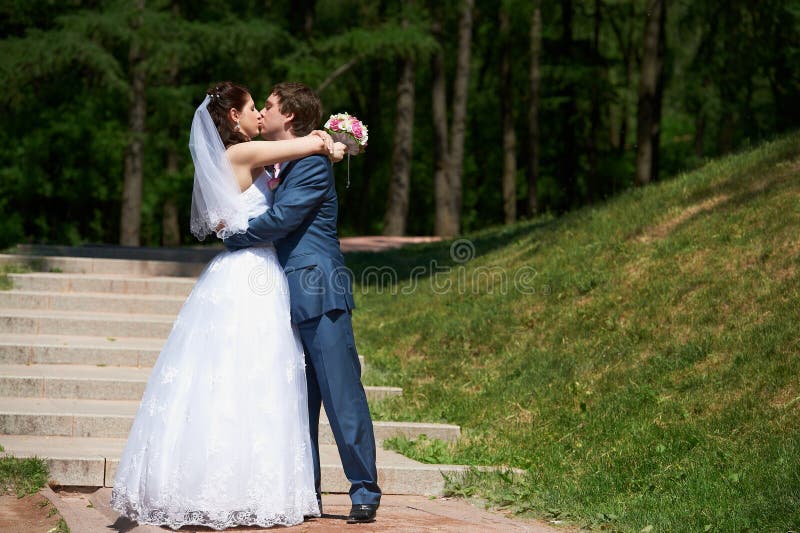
641, 361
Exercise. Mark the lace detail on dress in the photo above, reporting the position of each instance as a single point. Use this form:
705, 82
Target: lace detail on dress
219, 520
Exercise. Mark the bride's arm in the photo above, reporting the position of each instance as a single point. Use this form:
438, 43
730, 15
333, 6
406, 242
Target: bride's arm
260, 153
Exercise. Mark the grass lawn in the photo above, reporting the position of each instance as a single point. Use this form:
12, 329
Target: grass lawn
24, 509
22, 476
638, 359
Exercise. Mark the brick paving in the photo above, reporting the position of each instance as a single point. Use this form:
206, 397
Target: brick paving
90, 512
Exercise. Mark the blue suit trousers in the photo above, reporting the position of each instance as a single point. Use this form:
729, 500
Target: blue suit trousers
333, 372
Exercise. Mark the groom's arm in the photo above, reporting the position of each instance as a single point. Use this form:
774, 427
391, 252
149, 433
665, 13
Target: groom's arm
300, 197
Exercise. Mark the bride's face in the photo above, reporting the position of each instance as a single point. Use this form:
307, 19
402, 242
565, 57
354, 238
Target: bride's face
250, 121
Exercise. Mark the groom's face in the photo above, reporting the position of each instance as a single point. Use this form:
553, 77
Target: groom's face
276, 125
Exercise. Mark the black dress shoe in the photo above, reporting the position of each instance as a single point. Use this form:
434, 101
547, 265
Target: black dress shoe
362, 513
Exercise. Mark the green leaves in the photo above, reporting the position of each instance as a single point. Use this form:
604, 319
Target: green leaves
322, 61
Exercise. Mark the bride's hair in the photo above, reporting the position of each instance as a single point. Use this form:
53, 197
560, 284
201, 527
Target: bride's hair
225, 96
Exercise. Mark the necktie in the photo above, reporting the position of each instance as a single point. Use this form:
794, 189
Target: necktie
274, 181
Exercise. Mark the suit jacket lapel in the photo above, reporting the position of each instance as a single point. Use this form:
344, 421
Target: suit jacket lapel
286, 169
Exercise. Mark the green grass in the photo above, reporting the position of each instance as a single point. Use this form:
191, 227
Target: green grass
22, 476
5, 282
422, 449
647, 376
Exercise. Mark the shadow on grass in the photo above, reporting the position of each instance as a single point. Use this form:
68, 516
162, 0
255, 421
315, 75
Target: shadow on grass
449, 253
756, 177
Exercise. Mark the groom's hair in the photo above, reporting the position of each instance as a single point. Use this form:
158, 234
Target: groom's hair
301, 100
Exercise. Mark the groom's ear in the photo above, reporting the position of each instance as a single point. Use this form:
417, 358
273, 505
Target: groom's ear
288, 118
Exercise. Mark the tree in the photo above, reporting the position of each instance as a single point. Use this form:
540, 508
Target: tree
592, 148
648, 123
399, 184
449, 149
445, 220
509, 176
623, 31
131, 211
101, 127
533, 110
568, 167
460, 93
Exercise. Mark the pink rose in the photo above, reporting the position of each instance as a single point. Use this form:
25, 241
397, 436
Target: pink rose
334, 124
357, 131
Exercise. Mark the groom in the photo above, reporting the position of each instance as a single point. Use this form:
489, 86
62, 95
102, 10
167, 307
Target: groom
302, 225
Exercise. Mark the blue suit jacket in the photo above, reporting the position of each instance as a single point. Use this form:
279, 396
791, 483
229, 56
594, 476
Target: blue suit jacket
302, 225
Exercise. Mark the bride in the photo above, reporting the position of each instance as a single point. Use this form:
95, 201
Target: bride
221, 437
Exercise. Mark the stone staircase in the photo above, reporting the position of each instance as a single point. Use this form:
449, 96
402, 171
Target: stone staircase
77, 346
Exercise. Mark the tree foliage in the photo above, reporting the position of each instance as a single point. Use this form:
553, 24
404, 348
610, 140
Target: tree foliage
731, 76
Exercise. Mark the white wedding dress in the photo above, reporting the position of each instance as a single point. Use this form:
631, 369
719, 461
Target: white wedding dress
221, 437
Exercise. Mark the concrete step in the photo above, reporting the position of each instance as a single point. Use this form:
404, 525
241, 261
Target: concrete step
49, 282
113, 418
191, 254
91, 302
92, 462
28, 322
26, 349
98, 383
90, 265
19, 349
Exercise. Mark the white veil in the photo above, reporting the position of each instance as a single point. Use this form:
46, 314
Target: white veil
217, 205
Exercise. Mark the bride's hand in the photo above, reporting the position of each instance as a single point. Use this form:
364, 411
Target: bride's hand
327, 141
337, 154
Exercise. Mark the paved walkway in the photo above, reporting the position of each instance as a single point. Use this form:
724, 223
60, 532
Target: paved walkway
377, 243
363, 243
90, 512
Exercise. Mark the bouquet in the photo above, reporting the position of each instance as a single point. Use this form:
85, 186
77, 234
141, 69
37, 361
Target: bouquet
348, 130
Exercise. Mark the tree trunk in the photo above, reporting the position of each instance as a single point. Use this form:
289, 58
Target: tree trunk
726, 130
301, 16
533, 112
509, 180
131, 211
629, 61
593, 187
170, 227
569, 156
457, 128
443, 219
699, 133
397, 208
648, 124
624, 33
781, 80
308, 23
370, 157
